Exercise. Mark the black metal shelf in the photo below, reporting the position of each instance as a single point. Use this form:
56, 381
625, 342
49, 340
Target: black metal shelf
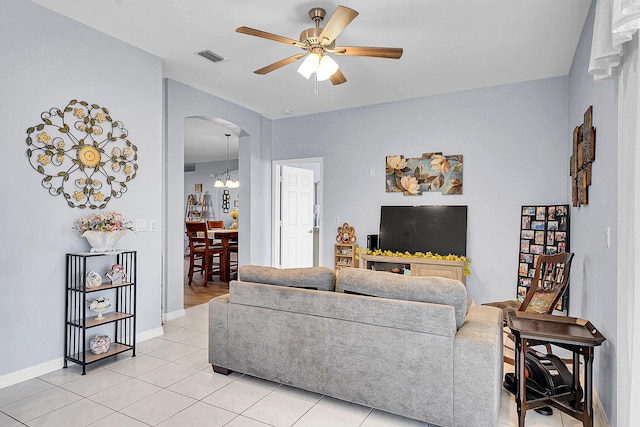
78, 322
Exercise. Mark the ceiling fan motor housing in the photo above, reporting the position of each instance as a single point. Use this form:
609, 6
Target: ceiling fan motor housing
310, 38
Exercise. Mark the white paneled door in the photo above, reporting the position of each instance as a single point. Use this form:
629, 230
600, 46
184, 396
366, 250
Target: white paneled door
297, 217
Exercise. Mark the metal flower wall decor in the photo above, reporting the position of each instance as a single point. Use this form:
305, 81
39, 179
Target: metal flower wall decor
431, 172
83, 154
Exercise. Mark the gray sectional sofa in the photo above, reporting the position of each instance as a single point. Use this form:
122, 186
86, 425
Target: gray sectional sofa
411, 346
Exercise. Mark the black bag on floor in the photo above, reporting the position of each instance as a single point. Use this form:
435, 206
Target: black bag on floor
546, 374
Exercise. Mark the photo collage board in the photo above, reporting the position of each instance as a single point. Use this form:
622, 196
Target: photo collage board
543, 230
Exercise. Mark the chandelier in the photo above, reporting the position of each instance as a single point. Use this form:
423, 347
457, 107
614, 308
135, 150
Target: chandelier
226, 180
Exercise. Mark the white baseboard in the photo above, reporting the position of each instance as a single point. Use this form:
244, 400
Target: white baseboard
54, 365
173, 315
31, 372
599, 415
151, 333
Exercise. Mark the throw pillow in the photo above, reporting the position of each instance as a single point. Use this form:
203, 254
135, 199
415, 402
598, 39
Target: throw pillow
320, 278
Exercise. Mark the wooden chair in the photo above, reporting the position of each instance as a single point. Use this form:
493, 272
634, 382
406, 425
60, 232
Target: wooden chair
202, 254
233, 259
215, 224
547, 287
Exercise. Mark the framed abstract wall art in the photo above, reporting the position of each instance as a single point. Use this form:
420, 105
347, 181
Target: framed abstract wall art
430, 172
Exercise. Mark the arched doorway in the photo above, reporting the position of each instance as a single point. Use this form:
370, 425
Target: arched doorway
210, 152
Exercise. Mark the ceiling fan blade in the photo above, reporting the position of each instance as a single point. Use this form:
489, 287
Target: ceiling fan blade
336, 24
338, 78
378, 52
270, 36
281, 63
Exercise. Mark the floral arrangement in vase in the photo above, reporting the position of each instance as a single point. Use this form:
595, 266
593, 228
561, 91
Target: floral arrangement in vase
102, 230
104, 221
99, 305
234, 214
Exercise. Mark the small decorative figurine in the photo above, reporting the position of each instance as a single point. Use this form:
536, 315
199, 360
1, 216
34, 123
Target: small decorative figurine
100, 344
116, 274
93, 280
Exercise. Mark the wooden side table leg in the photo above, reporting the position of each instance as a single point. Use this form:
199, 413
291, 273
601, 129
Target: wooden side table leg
587, 414
576, 377
521, 395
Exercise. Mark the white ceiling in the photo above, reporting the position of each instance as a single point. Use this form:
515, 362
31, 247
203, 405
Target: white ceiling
449, 45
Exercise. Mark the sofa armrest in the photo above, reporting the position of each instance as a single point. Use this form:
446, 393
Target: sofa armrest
477, 367
218, 331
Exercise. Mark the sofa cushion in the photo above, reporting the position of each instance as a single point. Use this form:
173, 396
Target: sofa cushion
321, 278
438, 290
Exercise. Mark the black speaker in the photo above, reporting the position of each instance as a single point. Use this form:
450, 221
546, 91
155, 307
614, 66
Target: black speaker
372, 242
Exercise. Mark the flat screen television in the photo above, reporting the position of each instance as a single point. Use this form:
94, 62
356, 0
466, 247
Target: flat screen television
436, 229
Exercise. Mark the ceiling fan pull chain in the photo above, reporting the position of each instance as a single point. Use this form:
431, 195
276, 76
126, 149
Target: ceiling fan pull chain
315, 85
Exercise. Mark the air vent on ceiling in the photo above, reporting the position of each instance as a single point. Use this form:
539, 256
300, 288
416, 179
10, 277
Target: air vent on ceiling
207, 54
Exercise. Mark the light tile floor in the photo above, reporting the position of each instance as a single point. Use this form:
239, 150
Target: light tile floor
170, 383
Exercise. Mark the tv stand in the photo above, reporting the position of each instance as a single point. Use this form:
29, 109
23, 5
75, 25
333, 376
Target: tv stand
417, 266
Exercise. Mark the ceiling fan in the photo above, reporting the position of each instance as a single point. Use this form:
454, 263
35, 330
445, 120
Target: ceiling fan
317, 42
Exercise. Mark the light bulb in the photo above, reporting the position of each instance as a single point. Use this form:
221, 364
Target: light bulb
218, 183
309, 65
326, 68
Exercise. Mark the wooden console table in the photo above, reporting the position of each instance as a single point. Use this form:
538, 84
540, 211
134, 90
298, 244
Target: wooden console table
571, 333
419, 266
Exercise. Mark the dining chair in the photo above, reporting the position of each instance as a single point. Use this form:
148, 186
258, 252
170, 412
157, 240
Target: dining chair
549, 284
233, 259
202, 253
213, 224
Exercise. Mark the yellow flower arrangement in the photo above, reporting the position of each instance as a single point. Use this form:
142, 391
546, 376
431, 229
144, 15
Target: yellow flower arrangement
430, 255
234, 214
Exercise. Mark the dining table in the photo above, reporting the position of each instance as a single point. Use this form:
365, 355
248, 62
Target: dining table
225, 236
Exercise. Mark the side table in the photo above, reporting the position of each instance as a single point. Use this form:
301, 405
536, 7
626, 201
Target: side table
571, 333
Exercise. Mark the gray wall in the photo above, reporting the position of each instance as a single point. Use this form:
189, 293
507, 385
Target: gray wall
514, 142
255, 192
48, 60
593, 278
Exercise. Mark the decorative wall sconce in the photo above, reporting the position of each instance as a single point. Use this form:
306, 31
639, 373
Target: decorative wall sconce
83, 154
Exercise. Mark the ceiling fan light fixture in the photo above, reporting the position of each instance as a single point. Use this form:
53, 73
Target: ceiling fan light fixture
309, 65
326, 68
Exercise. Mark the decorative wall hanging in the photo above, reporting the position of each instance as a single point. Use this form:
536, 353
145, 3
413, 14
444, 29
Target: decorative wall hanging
431, 172
83, 154
346, 234
225, 201
584, 153
543, 230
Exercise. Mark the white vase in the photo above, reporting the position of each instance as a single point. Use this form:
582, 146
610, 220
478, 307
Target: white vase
103, 241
